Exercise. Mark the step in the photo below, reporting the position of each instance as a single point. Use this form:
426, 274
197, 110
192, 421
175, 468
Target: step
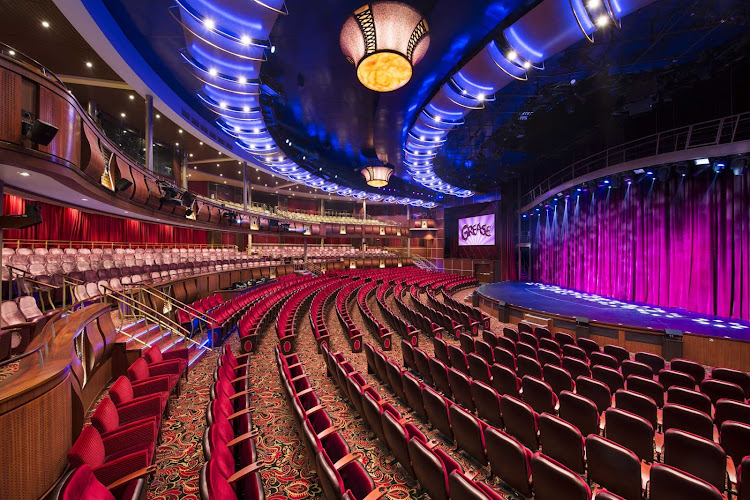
141, 331
537, 320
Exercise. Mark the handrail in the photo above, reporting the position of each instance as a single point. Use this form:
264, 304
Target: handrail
708, 133
156, 316
180, 305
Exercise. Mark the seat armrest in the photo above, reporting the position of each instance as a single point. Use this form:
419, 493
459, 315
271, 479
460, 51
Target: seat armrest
135, 475
150, 385
239, 394
132, 435
116, 469
378, 492
182, 353
243, 437
244, 411
131, 425
347, 459
248, 469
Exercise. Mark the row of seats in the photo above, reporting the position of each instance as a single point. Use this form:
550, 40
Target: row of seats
231, 469
405, 329
353, 335
380, 331
407, 443
341, 472
318, 252
113, 457
264, 310
451, 326
691, 462
416, 318
320, 304
471, 324
290, 315
473, 312
636, 415
22, 321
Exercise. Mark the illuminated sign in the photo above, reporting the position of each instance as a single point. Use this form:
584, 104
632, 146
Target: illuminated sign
477, 230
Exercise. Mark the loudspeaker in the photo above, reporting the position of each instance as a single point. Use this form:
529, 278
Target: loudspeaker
503, 314
671, 344
41, 132
32, 209
582, 327
122, 184
475, 299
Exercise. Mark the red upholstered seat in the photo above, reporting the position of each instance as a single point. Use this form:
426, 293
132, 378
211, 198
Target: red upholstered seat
123, 391
155, 357
109, 419
116, 456
82, 484
140, 370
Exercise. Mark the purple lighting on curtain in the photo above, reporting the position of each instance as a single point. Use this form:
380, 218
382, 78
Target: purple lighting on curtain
684, 243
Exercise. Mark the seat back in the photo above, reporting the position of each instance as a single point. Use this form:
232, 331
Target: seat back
588, 345
468, 433
439, 372
436, 407
484, 350
80, 483
610, 376
554, 481
576, 367
461, 389
602, 359
647, 387
641, 405
695, 370
505, 381
630, 367
397, 440
631, 431
458, 359
613, 467
505, 357
738, 377
478, 368
596, 391
687, 419
558, 378
721, 389
619, 353
487, 403
690, 398
728, 409
735, 440
413, 392
88, 449
669, 483
429, 470
670, 378
520, 421
695, 455
441, 350
509, 460
538, 394
579, 411
562, 441
528, 366
655, 361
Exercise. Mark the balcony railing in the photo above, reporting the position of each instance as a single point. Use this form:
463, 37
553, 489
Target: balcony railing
725, 130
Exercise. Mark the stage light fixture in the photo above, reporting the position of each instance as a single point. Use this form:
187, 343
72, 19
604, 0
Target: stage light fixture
739, 165
682, 168
719, 166
639, 171
702, 161
663, 173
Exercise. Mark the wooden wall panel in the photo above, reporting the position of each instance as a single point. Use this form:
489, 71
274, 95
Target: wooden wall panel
92, 160
57, 111
717, 351
26, 473
140, 190
10, 106
121, 170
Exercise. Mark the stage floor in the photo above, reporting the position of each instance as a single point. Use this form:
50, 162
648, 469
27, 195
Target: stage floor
565, 302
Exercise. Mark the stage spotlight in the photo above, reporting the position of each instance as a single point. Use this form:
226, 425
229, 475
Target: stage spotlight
170, 195
663, 174
616, 181
739, 165
682, 169
702, 161
523, 216
639, 171
719, 166
188, 198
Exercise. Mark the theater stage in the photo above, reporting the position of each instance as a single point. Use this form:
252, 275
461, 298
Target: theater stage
711, 340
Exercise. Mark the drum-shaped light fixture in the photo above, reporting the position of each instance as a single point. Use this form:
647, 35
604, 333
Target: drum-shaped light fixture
384, 40
377, 176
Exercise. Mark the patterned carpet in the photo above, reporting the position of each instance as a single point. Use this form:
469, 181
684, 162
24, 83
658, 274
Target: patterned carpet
289, 473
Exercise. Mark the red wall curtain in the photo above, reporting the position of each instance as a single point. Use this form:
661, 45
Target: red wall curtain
70, 224
683, 243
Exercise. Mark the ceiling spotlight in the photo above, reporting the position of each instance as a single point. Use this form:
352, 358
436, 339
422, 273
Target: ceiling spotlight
209, 23
88, 64
176, 143
237, 129
602, 21
24, 174
246, 109
223, 105
593, 4
179, 131
158, 115
122, 115
245, 40
480, 97
201, 143
526, 64
131, 96
242, 80
213, 72
511, 55
273, 49
45, 24
191, 155
11, 52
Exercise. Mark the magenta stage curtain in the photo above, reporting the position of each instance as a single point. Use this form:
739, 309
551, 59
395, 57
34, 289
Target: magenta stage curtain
69, 224
683, 243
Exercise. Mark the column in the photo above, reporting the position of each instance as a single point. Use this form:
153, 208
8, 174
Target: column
184, 171
322, 206
149, 128
305, 252
408, 226
364, 209
2, 197
244, 185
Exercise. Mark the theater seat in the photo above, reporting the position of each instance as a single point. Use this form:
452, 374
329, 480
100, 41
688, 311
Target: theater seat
669, 483
695, 455
154, 357
563, 442
554, 481
432, 468
108, 418
81, 484
140, 371
509, 460
614, 467
468, 432
463, 488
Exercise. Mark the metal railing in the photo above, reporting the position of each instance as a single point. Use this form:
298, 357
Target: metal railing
710, 133
131, 307
47, 244
171, 303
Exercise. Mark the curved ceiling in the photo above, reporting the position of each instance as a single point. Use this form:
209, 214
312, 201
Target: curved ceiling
320, 124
